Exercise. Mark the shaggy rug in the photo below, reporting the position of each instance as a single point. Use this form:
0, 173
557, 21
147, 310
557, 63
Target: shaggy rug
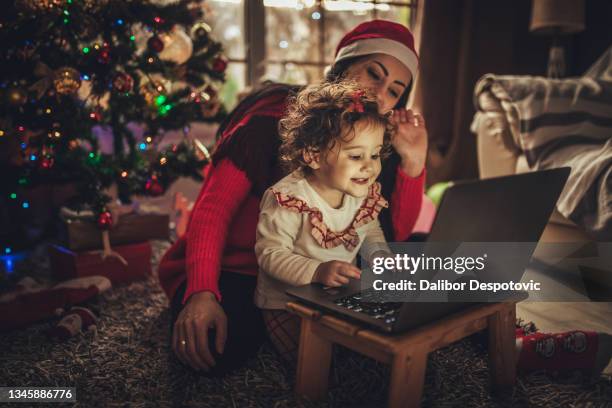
127, 362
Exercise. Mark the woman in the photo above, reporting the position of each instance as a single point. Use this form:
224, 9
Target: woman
216, 257
210, 274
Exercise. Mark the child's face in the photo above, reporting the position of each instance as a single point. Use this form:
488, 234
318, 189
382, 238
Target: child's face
350, 166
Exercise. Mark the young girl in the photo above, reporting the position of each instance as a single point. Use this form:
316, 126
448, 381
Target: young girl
314, 221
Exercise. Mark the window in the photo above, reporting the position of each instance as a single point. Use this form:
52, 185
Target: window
290, 40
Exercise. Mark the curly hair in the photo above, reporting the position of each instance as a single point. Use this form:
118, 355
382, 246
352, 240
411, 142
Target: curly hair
320, 115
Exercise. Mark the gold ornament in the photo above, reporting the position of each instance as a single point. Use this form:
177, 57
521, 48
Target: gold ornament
178, 46
38, 5
200, 29
151, 90
17, 96
66, 80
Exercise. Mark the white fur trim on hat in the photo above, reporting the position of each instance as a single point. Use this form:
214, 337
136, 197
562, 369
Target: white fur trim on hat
381, 46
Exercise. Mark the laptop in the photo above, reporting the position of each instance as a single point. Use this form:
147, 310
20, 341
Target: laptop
512, 208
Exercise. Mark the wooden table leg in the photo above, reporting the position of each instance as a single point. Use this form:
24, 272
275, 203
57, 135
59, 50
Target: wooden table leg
502, 348
314, 359
407, 378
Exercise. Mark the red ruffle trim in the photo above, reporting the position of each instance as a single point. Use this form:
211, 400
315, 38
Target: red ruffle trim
323, 235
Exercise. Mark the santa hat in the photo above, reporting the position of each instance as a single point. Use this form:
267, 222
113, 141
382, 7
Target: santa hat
380, 37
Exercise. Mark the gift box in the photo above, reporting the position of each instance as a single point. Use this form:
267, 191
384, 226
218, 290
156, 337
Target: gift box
68, 264
83, 233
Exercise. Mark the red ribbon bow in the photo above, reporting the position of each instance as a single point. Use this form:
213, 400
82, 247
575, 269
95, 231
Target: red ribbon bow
357, 105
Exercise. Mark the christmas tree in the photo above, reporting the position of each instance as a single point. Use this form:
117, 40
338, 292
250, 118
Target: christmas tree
75, 68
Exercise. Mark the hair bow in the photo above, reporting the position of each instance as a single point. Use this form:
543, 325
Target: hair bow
357, 104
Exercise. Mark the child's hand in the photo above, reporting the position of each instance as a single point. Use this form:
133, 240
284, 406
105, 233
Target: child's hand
410, 140
336, 273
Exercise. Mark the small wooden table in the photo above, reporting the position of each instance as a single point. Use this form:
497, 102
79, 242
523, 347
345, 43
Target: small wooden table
407, 353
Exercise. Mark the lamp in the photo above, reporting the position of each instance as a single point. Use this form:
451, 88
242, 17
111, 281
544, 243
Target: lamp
556, 18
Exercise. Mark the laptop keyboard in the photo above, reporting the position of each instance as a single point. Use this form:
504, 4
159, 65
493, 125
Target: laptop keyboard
372, 303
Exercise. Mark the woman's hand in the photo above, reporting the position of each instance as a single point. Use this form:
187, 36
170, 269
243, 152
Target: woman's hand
410, 141
201, 313
336, 273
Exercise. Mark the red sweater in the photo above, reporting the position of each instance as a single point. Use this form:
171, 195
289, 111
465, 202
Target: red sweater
221, 230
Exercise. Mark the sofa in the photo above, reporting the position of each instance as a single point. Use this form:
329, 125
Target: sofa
519, 118
499, 154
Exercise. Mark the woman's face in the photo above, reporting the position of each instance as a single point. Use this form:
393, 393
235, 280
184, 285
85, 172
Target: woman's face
382, 74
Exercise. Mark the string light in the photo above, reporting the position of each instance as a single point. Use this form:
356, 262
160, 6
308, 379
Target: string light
142, 146
1, 133
163, 161
97, 46
8, 250
25, 204
20, 128
119, 21
132, 38
149, 139
32, 157
159, 100
48, 111
13, 196
86, 50
124, 174
150, 60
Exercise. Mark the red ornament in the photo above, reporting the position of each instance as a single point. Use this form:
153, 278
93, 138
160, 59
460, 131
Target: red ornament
153, 187
104, 57
219, 64
95, 116
123, 82
156, 44
105, 220
46, 162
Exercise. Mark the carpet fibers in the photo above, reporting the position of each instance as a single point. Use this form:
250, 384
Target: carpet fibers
127, 362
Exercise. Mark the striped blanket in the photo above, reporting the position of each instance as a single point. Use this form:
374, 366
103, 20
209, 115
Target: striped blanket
558, 123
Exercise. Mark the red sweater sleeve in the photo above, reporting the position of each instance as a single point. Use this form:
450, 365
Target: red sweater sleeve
406, 202
224, 191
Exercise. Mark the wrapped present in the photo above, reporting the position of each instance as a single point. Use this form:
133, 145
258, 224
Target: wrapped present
129, 263
80, 232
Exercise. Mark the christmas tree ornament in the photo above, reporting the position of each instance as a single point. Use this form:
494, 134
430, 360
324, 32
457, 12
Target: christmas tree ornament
152, 92
104, 56
46, 162
105, 220
37, 5
155, 44
95, 115
153, 187
123, 82
219, 64
17, 96
200, 30
177, 46
66, 80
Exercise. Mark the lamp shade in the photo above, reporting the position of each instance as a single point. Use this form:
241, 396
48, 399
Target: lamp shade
557, 16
